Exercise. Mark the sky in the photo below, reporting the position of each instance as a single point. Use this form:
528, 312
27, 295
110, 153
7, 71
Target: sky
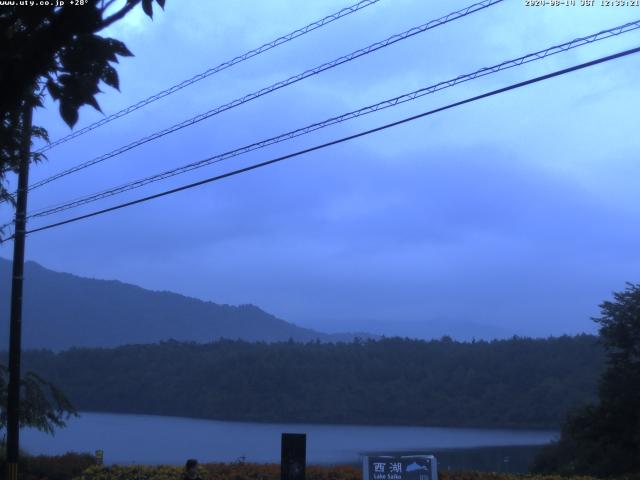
513, 215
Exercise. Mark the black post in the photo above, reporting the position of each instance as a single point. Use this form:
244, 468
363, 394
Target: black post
15, 329
293, 458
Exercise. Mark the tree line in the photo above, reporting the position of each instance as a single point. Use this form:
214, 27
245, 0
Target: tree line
521, 382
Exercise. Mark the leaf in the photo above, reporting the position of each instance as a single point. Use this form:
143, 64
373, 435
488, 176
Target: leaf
91, 100
54, 89
161, 3
119, 48
68, 112
37, 157
39, 132
110, 77
147, 6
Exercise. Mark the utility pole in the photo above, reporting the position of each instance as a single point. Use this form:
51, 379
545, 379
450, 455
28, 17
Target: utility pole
15, 328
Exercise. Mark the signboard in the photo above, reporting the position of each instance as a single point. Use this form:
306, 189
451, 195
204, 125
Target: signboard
400, 467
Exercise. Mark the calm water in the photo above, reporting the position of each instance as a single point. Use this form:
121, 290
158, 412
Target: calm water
152, 439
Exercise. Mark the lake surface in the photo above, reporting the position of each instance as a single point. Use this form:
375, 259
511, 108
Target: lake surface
153, 439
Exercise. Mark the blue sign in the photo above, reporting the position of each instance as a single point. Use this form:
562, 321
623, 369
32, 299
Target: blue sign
400, 467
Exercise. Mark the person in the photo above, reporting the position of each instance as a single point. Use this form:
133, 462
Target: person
191, 470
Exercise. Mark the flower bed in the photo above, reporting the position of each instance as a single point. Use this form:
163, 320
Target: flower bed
249, 471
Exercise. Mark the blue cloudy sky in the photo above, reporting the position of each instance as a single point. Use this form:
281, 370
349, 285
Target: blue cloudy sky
516, 214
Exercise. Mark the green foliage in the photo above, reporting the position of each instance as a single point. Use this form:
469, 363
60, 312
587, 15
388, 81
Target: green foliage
57, 49
510, 383
43, 405
604, 439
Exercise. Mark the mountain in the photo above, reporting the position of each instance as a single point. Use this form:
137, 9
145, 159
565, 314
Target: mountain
63, 310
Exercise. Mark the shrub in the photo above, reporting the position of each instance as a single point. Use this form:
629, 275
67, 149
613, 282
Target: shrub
58, 467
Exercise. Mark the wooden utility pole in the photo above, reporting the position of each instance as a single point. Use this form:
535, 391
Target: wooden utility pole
15, 328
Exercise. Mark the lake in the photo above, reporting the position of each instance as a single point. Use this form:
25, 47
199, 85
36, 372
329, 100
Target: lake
153, 439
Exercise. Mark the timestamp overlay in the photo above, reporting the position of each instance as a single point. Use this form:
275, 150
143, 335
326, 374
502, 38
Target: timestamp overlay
582, 3
47, 3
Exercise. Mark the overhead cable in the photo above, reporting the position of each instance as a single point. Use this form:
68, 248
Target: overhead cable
407, 97
298, 153
211, 71
276, 86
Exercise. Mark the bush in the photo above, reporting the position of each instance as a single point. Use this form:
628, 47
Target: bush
58, 467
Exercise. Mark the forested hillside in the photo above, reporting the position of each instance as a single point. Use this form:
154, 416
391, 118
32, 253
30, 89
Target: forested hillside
507, 383
63, 310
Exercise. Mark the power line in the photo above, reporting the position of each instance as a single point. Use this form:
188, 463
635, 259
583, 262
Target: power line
539, 55
13, 230
276, 86
514, 86
223, 66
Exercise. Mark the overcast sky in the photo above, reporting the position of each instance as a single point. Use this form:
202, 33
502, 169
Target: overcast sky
518, 213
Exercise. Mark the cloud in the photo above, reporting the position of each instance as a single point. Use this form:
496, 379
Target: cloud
516, 211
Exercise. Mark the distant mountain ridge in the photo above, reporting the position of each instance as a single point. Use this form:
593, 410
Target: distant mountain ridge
62, 310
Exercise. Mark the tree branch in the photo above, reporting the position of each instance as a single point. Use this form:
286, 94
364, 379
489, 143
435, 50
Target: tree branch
118, 15
108, 4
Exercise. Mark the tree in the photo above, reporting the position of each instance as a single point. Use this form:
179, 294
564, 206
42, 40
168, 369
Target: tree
44, 406
54, 49
604, 439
